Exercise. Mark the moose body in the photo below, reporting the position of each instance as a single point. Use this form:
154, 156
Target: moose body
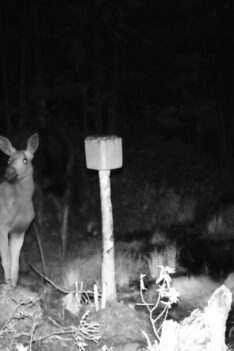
53, 169
16, 206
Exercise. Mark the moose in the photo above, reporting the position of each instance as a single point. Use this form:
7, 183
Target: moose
53, 166
16, 204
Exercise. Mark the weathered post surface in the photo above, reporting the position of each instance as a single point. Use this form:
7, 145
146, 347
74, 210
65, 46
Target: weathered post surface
104, 153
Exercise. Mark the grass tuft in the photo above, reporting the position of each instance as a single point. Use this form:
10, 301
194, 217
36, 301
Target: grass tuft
166, 257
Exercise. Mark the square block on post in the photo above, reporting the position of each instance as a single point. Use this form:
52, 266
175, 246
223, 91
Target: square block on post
103, 152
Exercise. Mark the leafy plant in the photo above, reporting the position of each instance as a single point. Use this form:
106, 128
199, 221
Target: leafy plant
166, 296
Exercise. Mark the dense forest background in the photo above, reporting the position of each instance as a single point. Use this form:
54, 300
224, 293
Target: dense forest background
157, 73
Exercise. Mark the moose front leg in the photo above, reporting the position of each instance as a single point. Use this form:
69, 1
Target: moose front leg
5, 254
16, 242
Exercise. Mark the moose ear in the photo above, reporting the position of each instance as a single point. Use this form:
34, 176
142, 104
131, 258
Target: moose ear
6, 146
33, 143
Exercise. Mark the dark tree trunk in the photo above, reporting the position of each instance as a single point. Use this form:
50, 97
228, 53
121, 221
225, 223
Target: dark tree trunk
8, 123
22, 67
39, 98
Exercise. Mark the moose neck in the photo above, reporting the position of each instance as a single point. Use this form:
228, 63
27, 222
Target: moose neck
26, 185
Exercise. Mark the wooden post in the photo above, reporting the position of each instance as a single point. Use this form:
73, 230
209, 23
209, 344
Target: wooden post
104, 154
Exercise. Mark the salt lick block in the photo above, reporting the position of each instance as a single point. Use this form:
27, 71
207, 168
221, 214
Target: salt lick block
103, 152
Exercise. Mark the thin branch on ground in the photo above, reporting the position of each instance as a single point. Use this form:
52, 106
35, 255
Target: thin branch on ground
85, 294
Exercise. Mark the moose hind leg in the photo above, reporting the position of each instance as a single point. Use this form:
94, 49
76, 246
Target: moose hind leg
62, 207
5, 254
16, 243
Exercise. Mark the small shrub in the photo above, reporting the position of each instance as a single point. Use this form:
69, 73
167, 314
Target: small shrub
86, 270
215, 225
174, 207
164, 257
127, 268
158, 238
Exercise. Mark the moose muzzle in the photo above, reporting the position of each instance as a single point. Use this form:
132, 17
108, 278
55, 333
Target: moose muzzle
11, 174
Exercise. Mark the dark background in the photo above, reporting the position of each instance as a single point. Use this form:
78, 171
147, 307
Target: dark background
157, 73
137, 68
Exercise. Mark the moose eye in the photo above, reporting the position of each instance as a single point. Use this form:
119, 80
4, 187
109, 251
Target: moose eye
25, 160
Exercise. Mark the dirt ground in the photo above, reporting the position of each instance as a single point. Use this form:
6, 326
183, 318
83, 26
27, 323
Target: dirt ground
33, 316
